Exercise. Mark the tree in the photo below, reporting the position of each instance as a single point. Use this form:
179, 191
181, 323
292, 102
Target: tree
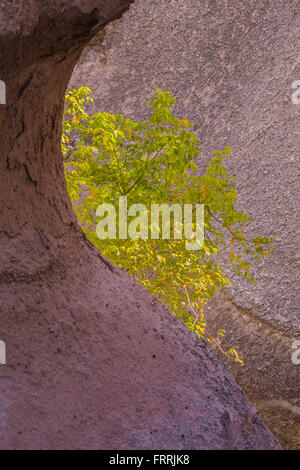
79, 333
154, 162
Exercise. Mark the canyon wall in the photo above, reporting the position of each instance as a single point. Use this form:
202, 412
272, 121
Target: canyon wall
231, 66
92, 360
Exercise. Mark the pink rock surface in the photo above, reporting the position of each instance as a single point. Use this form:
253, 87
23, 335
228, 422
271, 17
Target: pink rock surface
93, 361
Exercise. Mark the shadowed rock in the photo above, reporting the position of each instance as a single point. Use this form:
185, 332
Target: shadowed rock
93, 361
231, 66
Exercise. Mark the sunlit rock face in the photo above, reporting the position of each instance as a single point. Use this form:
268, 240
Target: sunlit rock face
92, 360
231, 66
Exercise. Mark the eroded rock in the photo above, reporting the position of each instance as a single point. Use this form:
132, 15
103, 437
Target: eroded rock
231, 66
92, 360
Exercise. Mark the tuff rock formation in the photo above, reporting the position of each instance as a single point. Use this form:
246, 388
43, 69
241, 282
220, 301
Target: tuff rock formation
231, 66
93, 361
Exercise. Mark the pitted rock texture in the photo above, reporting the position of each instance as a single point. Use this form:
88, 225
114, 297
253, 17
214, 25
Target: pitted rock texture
93, 361
231, 66
269, 375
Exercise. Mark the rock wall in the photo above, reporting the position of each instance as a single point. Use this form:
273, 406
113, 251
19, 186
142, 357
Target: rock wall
93, 361
231, 66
